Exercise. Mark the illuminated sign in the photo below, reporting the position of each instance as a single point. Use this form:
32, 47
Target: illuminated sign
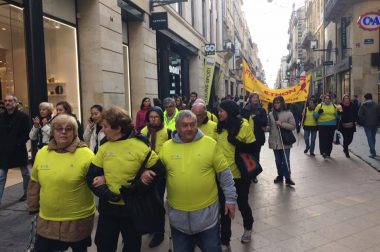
369, 21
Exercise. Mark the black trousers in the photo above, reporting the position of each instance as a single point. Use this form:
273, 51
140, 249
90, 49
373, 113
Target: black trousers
348, 135
48, 245
326, 137
108, 230
242, 190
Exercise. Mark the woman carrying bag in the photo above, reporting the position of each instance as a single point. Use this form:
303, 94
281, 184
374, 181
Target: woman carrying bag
348, 118
281, 119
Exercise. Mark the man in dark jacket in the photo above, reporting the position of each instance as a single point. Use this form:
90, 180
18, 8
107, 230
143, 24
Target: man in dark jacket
369, 119
14, 131
254, 111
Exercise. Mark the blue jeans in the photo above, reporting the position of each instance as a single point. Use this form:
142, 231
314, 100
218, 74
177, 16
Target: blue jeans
310, 134
370, 132
208, 240
25, 179
282, 164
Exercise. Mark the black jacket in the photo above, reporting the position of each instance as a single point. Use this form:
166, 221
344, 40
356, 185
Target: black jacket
348, 115
369, 114
260, 121
14, 133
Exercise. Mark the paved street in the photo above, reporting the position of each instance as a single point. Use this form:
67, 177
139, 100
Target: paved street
335, 206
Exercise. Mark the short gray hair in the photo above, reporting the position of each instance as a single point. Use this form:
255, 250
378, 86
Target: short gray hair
168, 100
200, 104
183, 114
47, 105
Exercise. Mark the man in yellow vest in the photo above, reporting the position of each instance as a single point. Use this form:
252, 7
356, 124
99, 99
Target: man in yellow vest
207, 126
192, 163
170, 114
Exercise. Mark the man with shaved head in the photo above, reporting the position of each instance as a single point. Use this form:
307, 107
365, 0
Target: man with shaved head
207, 126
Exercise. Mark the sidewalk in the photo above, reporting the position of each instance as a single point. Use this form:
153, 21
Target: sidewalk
359, 147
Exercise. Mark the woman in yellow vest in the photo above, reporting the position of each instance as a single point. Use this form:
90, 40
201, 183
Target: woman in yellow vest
234, 132
115, 165
58, 192
326, 115
310, 127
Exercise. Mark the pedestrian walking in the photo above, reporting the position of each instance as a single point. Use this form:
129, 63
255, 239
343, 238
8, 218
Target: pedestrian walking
141, 114
347, 122
93, 134
193, 164
170, 113
40, 131
58, 192
116, 164
63, 107
310, 127
369, 114
258, 120
234, 133
157, 134
207, 126
326, 114
14, 133
281, 118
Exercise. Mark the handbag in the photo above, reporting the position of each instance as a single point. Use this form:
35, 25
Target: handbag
247, 164
336, 137
32, 234
348, 125
145, 206
287, 136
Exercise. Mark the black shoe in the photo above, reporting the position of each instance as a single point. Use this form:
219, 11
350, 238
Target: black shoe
278, 179
324, 155
347, 154
289, 181
306, 150
312, 154
157, 239
23, 198
254, 180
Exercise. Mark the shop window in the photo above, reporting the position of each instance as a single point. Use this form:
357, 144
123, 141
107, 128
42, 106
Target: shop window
61, 63
13, 76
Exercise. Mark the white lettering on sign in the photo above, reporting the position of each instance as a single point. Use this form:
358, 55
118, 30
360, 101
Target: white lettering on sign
369, 21
174, 70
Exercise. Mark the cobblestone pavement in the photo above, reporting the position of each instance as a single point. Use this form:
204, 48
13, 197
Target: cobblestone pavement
334, 206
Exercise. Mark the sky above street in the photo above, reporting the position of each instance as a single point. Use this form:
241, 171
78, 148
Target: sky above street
268, 22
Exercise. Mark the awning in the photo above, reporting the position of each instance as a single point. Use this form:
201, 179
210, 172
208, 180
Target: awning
168, 33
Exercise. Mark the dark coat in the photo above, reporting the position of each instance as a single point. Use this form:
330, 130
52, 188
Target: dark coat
260, 121
348, 115
14, 133
369, 114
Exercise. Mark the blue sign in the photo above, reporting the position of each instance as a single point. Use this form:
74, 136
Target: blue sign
368, 41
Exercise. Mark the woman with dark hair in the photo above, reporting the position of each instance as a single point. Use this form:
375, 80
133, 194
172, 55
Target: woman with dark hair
93, 135
63, 107
258, 120
279, 118
157, 102
347, 122
326, 114
310, 127
179, 103
141, 114
117, 163
233, 133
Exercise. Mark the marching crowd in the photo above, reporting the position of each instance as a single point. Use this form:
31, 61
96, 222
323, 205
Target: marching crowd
180, 150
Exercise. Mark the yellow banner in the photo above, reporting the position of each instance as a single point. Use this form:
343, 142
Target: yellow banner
209, 76
296, 93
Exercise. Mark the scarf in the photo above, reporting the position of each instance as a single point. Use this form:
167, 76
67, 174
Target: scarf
76, 143
152, 133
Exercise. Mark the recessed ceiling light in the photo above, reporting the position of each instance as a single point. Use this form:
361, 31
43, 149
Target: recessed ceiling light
3, 28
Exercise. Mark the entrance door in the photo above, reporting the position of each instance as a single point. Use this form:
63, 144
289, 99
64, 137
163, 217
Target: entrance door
13, 77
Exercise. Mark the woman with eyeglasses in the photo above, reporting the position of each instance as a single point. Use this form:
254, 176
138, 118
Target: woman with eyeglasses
58, 192
63, 107
326, 115
281, 118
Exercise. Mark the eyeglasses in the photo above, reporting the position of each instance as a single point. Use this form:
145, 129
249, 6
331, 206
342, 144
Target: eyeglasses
61, 130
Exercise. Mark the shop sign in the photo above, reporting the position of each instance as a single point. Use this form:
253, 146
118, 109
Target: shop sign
368, 41
344, 65
159, 20
210, 49
343, 31
328, 63
369, 21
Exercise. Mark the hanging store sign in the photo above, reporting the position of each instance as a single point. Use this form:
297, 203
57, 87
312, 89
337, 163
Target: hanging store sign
343, 35
210, 49
159, 20
369, 21
209, 75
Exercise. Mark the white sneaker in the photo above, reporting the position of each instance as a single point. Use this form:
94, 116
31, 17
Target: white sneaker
226, 248
246, 237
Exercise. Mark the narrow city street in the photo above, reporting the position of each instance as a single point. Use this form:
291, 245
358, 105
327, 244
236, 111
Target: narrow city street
334, 206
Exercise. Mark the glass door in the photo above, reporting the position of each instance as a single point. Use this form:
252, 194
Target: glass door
13, 75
